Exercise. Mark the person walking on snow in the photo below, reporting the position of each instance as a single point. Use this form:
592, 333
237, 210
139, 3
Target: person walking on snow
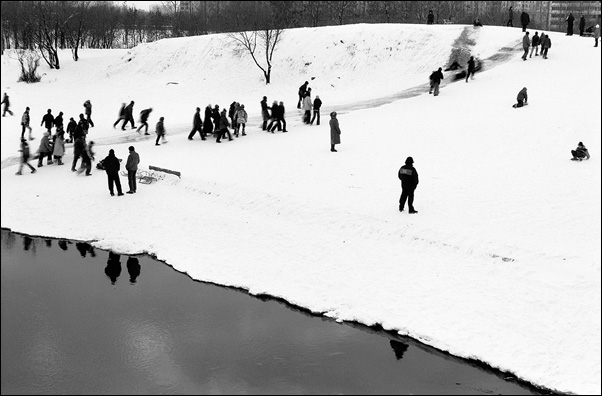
112, 165
128, 116
24, 157
510, 17
335, 131
197, 125
48, 121
265, 114
409, 181
526, 44
546, 44
223, 125
471, 66
302, 91
87, 158
436, 78
207, 125
132, 167
6, 104
307, 108
241, 120
45, 149
121, 115
143, 119
59, 146
534, 45
596, 34
160, 131
25, 124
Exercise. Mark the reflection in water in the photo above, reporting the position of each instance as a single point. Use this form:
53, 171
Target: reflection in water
85, 248
63, 245
48, 242
27, 241
173, 335
113, 268
399, 348
133, 268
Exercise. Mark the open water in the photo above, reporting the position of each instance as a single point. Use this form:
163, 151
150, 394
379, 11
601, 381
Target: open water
78, 320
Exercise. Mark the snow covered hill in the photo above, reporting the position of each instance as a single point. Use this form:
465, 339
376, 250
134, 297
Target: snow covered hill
502, 262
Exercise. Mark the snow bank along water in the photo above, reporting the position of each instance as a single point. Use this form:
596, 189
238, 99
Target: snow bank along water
502, 263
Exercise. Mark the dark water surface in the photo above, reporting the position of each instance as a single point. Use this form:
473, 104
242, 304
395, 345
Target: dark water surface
78, 320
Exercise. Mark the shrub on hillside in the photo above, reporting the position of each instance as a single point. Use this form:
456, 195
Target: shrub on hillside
29, 61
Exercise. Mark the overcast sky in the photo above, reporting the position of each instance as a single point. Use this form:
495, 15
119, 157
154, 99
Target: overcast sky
143, 5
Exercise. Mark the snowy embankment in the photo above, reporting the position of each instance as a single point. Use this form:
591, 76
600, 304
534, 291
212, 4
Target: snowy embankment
502, 262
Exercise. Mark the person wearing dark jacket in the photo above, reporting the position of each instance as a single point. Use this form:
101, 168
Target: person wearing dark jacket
25, 124
112, 165
160, 131
430, 19
82, 127
45, 149
275, 122
87, 158
207, 125
317, 105
534, 45
88, 111
128, 116
436, 78
78, 150
581, 25
48, 121
471, 66
71, 126
197, 125
569, 27
301, 93
132, 167
58, 122
546, 44
121, 115
409, 181
143, 119
223, 127
521, 98
580, 153
6, 103
215, 116
510, 17
525, 20
265, 114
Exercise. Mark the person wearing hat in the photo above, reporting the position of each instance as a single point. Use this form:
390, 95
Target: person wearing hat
409, 181
596, 34
160, 131
112, 165
335, 131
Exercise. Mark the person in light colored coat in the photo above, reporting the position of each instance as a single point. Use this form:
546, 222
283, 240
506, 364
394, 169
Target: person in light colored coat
335, 131
132, 167
307, 108
59, 147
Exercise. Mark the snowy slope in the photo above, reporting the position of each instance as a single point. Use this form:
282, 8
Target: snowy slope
502, 264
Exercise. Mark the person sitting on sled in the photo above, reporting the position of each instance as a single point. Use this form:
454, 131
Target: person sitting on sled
580, 153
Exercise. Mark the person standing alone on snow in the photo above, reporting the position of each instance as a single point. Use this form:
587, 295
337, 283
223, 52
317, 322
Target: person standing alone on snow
160, 131
132, 167
335, 131
409, 181
596, 34
471, 67
525, 20
88, 111
581, 25
430, 18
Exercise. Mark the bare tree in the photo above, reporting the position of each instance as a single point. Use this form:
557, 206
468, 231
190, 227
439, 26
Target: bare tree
29, 61
268, 41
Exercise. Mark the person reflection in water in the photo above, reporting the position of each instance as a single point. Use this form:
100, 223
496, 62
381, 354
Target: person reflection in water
113, 268
133, 268
27, 242
48, 242
399, 348
85, 248
63, 245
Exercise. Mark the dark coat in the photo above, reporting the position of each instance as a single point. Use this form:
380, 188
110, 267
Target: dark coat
144, 115
335, 131
133, 161
78, 146
128, 112
45, 144
58, 121
522, 95
408, 176
471, 64
526, 41
430, 18
546, 43
48, 120
570, 19
196, 120
111, 164
582, 23
524, 18
535, 40
317, 104
71, 126
88, 107
436, 77
223, 123
24, 151
208, 126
